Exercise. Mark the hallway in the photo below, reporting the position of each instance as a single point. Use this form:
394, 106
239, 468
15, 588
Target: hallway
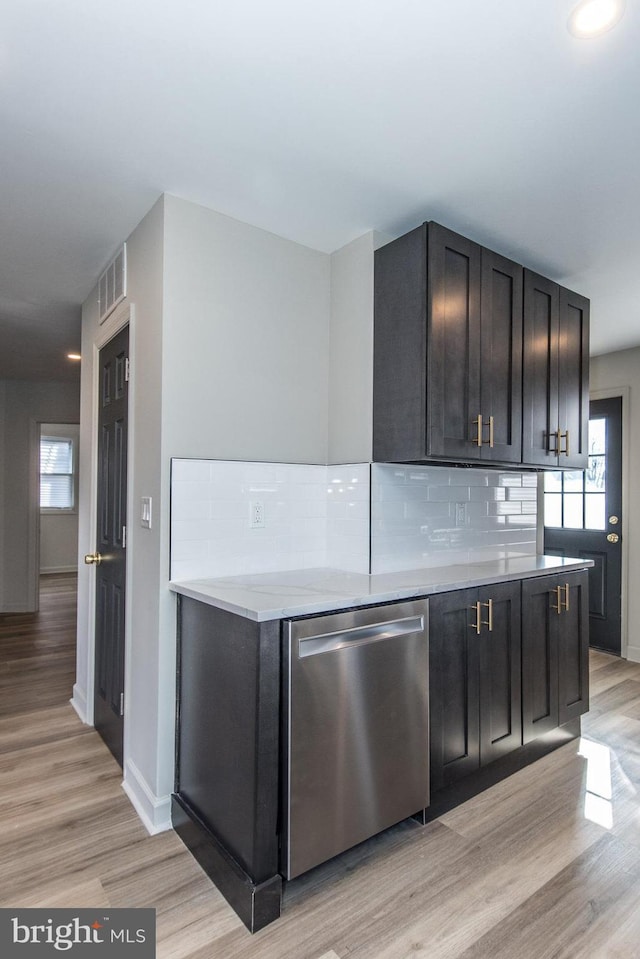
544, 866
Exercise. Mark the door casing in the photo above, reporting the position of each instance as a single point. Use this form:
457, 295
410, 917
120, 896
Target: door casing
122, 315
624, 392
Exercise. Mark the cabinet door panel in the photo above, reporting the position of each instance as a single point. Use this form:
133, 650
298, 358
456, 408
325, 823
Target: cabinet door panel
501, 360
539, 658
573, 380
453, 688
540, 371
500, 682
453, 376
573, 645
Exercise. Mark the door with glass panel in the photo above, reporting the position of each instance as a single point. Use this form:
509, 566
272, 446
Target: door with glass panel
583, 517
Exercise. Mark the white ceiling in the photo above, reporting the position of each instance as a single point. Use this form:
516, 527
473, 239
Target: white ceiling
317, 121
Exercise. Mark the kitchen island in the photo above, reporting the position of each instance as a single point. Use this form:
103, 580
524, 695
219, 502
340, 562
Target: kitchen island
507, 679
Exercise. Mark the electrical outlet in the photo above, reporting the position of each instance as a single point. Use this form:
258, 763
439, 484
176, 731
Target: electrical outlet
461, 514
257, 514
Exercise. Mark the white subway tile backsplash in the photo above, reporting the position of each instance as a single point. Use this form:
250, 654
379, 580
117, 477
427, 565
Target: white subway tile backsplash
468, 477
428, 515
347, 516
487, 494
305, 525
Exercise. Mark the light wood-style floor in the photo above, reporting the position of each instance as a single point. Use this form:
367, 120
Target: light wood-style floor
544, 866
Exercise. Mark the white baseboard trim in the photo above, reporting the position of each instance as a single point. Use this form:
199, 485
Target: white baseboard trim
79, 703
154, 811
58, 569
633, 654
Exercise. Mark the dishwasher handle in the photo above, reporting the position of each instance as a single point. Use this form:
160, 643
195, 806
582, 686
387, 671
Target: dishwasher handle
359, 636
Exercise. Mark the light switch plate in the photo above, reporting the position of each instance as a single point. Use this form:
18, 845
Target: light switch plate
145, 512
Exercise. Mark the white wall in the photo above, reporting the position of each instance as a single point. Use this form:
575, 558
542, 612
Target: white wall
58, 542
351, 350
246, 352
23, 405
59, 531
608, 373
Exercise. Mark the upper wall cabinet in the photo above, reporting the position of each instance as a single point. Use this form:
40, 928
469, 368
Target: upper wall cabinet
447, 350
556, 375
453, 379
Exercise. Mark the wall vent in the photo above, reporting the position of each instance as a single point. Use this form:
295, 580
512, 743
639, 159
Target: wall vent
112, 285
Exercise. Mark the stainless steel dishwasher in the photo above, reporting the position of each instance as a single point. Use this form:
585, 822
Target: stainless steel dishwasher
357, 728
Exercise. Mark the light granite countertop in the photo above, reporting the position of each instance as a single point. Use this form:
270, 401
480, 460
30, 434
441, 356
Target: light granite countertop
267, 596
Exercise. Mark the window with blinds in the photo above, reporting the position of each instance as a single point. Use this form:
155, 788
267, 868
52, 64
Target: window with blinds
56, 473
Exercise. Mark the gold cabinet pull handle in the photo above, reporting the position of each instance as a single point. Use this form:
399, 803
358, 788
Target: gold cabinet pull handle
557, 434
561, 604
563, 435
477, 425
489, 621
478, 623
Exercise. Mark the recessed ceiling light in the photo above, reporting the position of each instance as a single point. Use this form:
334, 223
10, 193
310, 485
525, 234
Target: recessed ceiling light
594, 17
74, 356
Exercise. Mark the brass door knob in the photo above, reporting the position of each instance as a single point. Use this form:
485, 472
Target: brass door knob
613, 537
613, 520
93, 559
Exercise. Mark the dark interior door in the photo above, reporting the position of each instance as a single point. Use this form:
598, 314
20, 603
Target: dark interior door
111, 542
583, 517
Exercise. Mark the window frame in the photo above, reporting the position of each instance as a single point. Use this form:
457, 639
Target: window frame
48, 433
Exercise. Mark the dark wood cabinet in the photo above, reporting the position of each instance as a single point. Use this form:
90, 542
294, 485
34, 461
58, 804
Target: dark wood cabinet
555, 650
475, 680
447, 350
225, 806
475, 358
555, 375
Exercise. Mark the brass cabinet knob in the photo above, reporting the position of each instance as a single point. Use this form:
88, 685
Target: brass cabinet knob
613, 537
93, 559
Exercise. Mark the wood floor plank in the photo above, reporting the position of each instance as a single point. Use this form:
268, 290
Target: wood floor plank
53, 724
616, 698
54, 895
579, 913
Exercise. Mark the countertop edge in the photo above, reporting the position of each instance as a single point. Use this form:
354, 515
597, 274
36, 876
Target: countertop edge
212, 592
